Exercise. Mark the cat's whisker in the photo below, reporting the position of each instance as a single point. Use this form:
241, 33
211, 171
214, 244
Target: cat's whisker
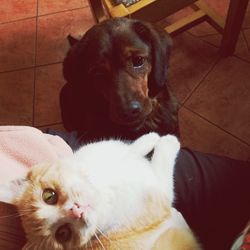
100, 241
27, 209
90, 242
10, 216
91, 245
23, 212
15, 215
87, 245
103, 234
43, 244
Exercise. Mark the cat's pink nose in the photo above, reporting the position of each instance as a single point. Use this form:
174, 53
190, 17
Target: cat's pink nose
77, 211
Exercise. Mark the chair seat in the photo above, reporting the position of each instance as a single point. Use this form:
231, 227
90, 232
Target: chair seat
156, 10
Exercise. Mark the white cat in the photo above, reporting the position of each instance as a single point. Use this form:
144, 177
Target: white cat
108, 195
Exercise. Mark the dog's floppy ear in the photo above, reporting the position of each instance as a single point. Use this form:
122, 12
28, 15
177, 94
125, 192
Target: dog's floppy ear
72, 40
160, 43
73, 64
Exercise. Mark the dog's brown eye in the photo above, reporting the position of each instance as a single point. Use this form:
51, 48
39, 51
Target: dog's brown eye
50, 196
138, 61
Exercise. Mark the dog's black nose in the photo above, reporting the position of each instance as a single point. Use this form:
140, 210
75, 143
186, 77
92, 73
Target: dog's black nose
135, 108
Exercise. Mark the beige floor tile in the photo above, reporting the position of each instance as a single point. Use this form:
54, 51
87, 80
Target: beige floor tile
49, 81
191, 59
48, 6
200, 135
17, 44
16, 97
247, 37
52, 43
223, 97
246, 23
203, 29
11, 10
241, 49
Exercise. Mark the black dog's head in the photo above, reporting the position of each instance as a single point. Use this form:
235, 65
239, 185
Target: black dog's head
120, 64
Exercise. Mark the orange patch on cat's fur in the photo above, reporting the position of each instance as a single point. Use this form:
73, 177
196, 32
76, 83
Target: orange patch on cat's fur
149, 223
33, 194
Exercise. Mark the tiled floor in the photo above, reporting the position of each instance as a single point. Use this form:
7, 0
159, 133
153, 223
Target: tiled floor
214, 91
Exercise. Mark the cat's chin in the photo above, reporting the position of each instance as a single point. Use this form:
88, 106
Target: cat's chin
86, 235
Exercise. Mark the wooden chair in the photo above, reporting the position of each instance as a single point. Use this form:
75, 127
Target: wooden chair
155, 10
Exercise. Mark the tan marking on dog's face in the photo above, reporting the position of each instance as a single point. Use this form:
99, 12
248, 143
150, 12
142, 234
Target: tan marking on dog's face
122, 79
135, 78
128, 51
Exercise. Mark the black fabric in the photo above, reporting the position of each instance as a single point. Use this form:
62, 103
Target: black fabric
71, 138
211, 193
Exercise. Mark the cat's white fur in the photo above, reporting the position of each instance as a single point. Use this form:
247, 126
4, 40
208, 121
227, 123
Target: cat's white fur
114, 180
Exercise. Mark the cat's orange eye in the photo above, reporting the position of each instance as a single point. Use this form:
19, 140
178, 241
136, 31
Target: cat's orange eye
50, 196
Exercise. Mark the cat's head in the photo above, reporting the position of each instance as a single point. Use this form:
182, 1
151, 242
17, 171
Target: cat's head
104, 187
53, 201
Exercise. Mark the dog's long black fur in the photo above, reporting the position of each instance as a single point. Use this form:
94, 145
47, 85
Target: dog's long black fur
117, 82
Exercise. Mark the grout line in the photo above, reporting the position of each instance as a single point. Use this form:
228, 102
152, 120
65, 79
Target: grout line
234, 55
16, 70
37, 7
34, 83
17, 20
47, 14
203, 37
48, 64
199, 36
242, 59
246, 41
57, 12
208, 35
31, 67
217, 126
213, 45
199, 84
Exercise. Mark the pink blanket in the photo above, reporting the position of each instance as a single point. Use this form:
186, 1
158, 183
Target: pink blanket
21, 147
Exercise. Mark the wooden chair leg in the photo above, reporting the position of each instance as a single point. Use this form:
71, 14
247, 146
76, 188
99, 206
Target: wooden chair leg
97, 10
212, 17
235, 17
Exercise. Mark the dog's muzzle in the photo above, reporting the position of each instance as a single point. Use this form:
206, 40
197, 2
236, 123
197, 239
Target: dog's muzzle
131, 115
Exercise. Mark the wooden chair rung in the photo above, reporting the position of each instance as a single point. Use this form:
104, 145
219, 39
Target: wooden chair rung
186, 22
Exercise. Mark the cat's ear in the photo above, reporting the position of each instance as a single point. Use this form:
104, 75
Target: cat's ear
11, 191
145, 144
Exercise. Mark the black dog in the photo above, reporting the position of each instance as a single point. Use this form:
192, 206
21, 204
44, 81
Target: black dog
117, 82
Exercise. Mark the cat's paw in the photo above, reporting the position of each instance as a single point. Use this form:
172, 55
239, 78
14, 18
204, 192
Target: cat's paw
151, 137
146, 143
170, 143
